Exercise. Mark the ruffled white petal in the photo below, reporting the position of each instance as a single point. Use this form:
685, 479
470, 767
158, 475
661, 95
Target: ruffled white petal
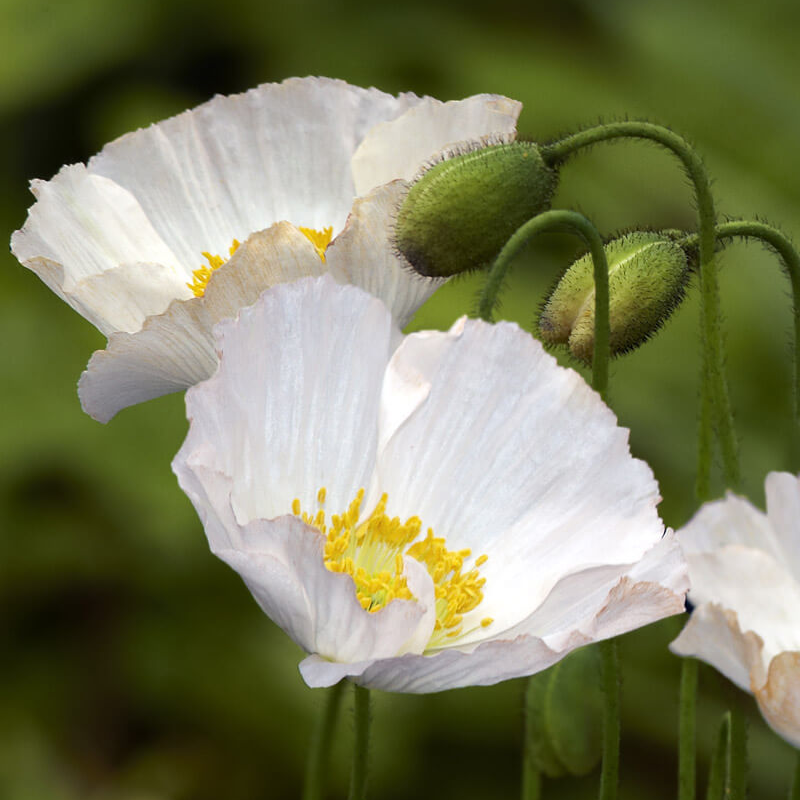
293, 406
714, 635
237, 164
779, 697
783, 510
733, 520
364, 255
762, 593
176, 349
398, 148
513, 456
83, 225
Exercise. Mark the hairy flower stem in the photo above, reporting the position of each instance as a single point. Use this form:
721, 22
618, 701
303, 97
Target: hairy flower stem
609, 775
719, 761
320, 748
781, 244
715, 407
687, 767
562, 221
358, 776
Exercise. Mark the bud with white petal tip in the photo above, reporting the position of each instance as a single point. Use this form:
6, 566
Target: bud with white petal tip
460, 212
647, 277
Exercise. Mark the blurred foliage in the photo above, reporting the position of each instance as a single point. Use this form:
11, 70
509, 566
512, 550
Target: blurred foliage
136, 667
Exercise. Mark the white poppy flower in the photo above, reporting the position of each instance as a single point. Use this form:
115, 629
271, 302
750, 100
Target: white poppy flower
418, 514
131, 239
744, 567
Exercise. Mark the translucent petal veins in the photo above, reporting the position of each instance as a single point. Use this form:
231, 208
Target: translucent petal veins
371, 552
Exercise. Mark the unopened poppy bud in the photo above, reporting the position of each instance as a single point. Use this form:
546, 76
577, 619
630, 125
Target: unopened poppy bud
460, 212
647, 276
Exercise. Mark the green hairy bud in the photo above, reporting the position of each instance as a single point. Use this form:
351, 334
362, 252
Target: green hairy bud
460, 212
647, 276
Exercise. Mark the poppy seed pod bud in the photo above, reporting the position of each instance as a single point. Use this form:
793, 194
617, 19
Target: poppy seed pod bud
647, 276
460, 212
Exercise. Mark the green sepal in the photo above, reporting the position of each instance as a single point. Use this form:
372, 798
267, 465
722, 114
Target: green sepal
460, 212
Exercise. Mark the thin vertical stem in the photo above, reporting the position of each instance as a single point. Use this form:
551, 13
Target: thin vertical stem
609, 776
794, 791
320, 748
531, 777
719, 762
358, 776
687, 766
737, 760
715, 408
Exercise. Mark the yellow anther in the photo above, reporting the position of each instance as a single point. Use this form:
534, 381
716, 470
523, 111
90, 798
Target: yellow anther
486, 622
202, 276
372, 552
320, 239
479, 562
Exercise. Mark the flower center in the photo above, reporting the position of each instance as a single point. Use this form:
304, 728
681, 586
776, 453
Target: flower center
200, 277
371, 552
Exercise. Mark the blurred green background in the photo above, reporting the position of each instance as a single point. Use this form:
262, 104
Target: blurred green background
133, 665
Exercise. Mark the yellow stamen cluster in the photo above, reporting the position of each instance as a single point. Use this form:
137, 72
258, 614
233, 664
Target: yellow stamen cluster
200, 277
320, 239
203, 275
371, 552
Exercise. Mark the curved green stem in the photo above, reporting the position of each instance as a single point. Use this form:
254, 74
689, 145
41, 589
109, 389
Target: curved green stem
687, 759
715, 407
548, 222
782, 245
609, 776
358, 776
320, 748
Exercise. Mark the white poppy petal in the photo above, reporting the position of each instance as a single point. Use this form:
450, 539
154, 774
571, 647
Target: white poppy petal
237, 164
176, 349
779, 697
251, 450
783, 510
284, 424
761, 591
398, 148
714, 635
364, 255
733, 520
514, 456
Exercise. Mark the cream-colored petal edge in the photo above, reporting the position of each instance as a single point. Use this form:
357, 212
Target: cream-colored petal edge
779, 697
176, 349
398, 148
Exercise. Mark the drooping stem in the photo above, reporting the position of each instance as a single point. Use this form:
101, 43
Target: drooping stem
531, 777
687, 767
782, 245
715, 407
320, 748
358, 776
609, 776
737, 759
548, 222
719, 762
